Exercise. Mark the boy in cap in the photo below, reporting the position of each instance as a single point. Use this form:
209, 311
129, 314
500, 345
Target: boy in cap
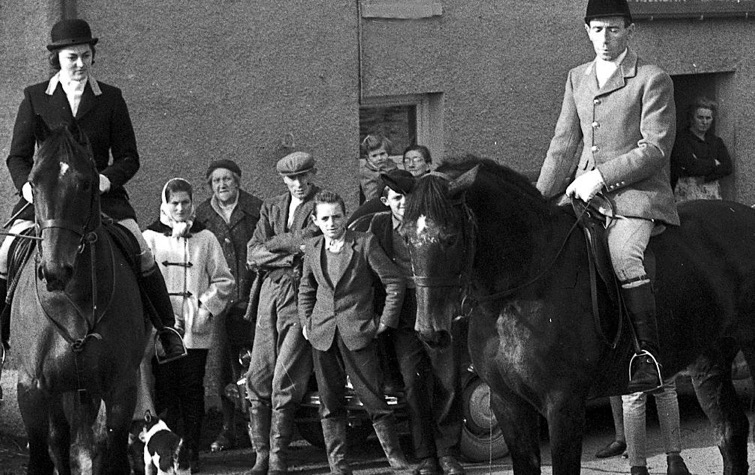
231, 214
435, 421
622, 109
281, 363
336, 309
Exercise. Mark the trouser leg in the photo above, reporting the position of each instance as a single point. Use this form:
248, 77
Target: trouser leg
334, 432
634, 427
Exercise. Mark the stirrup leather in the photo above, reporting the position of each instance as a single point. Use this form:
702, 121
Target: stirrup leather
655, 363
160, 352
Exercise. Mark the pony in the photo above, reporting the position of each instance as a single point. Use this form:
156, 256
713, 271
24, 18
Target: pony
77, 322
485, 245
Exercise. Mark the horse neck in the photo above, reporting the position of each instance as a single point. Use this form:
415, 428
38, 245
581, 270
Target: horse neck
516, 241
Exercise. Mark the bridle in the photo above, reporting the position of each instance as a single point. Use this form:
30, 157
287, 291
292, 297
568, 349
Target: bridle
468, 243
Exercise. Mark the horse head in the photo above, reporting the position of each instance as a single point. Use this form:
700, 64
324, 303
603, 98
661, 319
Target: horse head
65, 183
439, 229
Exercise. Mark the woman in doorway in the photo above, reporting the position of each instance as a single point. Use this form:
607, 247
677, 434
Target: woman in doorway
699, 158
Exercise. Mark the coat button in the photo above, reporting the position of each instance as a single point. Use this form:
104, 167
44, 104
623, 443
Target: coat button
595, 125
596, 101
594, 148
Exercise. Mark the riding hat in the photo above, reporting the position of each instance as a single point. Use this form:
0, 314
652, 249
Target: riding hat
71, 32
295, 163
223, 163
400, 181
607, 8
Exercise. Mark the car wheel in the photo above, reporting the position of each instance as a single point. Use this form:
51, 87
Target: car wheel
308, 425
481, 438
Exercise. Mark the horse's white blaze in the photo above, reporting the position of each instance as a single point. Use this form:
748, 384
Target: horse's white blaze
63, 169
426, 232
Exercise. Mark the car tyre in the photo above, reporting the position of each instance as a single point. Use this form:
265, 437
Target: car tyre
481, 438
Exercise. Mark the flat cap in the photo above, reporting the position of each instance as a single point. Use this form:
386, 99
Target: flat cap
295, 163
223, 163
398, 180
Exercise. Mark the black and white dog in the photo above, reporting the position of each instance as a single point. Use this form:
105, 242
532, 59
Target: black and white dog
164, 451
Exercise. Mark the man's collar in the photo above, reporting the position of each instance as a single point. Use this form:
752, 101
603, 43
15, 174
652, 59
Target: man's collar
616, 61
55, 80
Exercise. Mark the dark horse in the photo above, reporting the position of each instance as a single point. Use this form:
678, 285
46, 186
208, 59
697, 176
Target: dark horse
77, 323
482, 235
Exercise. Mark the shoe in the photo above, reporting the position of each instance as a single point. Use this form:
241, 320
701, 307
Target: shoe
342, 467
676, 465
428, 466
169, 345
646, 374
616, 447
638, 471
450, 465
224, 441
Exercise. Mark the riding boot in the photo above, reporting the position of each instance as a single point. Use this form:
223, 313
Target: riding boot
171, 345
334, 433
259, 432
645, 372
676, 465
385, 430
281, 431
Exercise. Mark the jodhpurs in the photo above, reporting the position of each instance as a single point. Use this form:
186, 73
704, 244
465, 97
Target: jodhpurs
627, 240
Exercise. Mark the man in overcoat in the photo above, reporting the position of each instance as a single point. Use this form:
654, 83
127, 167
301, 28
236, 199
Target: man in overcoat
621, 109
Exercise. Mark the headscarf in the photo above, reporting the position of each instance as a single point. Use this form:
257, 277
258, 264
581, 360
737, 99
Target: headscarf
180, 228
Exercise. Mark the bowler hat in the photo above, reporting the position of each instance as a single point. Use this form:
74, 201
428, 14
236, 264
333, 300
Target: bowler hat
607, 8
71, 32
223, 163
398, 180
295, 163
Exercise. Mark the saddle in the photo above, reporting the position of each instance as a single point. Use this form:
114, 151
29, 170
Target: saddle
593, 218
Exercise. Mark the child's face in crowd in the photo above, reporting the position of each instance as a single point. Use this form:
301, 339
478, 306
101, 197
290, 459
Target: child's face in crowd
397, 202
179, 206
299, 185
378, 158
331, 219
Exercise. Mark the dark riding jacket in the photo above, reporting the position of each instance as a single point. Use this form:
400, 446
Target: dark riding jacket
102, 116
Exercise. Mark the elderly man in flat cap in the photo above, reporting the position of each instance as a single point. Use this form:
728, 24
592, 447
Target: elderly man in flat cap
231, 214
435, 421
281, 358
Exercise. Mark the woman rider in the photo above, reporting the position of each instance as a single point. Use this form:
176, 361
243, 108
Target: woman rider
74, 97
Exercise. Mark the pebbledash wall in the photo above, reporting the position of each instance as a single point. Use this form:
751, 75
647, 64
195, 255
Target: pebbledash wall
252, 80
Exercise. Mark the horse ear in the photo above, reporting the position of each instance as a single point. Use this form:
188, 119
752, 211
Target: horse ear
464, 181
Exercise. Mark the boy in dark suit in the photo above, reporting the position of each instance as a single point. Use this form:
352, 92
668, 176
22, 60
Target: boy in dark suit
337, 315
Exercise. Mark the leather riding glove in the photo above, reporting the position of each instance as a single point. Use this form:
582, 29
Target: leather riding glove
586, 186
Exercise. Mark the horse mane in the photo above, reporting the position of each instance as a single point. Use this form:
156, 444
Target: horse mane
431, 194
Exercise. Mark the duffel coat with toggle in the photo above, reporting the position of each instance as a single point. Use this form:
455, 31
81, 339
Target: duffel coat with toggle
627, 128
196, 274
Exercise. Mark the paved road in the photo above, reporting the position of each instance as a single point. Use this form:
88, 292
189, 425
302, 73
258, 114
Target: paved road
701, 456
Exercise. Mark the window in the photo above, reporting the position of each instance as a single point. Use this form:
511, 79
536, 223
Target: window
405, 120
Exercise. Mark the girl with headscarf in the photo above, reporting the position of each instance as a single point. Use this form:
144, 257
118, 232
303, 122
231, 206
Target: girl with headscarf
199, 284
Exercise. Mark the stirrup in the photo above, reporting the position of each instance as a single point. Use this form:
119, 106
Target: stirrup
657, 370
160, 353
